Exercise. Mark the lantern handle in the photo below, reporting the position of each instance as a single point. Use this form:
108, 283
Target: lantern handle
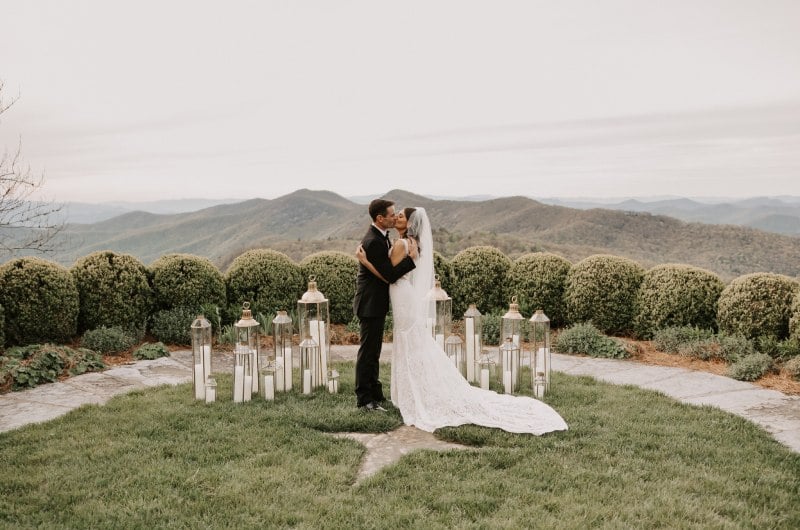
246, 305
312, 278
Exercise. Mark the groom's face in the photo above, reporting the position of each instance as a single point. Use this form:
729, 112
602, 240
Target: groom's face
387, 221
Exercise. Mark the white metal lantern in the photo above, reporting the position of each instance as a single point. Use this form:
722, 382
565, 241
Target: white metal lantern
282, 345
201, 355
314, 316
454, 348
473, 329
248, 340
440, 312
511, 347
541, 357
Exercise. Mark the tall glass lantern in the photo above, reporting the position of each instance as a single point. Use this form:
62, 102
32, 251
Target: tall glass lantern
201, 354
473, 329
511, 347
282, 344
248, 340
440, 312
541, 358
454, 348
315, 343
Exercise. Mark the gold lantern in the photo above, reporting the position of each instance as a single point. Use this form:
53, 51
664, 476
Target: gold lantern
541, 358
440, 312
282, 345
454, 348
314, 317
472, 339
201, 355
248, 341
511, 347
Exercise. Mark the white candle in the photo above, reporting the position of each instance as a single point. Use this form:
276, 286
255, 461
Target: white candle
485, 378
440, 340
238, 384
269, 387
287, 367
206, 361
507, 381
333, 386
515, 339
254, 364
319, 334
247, 389
306, 381
471, 342
211, 394
546, 366
538, 385
280, 374
199, 382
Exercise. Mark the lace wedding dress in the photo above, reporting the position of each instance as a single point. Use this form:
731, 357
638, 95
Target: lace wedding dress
427, 388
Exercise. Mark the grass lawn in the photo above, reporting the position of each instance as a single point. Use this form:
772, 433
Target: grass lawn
156, 458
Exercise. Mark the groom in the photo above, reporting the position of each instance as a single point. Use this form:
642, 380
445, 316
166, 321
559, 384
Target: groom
371, 302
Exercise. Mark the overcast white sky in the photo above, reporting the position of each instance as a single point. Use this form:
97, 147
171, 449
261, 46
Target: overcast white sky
585, 98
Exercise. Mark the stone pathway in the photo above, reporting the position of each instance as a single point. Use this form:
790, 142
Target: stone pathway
777, 413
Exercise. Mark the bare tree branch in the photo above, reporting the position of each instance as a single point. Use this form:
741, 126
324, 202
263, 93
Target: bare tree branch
26, 225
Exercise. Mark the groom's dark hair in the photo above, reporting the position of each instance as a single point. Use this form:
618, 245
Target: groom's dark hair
378, 207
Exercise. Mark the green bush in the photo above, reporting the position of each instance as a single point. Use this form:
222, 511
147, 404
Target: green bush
173, 325
28, 366
781, 350
794, 320
672, 338
336, 278
539, 281
677, 295
40, 302
114, 291
750, 367
734, 346
268, 279
602, 289
792, 368
2, 328
757, 304
444, 269
588, 340
704, 349
108, 340
186, 280
491, 324
479, 277
149, 351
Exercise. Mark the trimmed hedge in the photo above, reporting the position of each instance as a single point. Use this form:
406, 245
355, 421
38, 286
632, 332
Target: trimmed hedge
677, 295
479, 277
336, 274
794, 320
40, 302
114, 291
108, 341
757, 304
539, 280
602, 289
186, 280
173, 325
268, 279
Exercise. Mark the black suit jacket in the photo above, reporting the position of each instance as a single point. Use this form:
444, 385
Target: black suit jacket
372, 293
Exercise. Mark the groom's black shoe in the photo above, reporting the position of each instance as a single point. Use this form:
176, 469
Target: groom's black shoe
373, 406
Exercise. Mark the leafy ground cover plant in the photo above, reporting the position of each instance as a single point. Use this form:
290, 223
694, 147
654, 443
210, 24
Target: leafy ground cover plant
750, 367
150, 350
588, 340
29, 366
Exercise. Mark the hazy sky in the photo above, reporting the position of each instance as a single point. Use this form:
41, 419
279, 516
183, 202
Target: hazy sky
169, 99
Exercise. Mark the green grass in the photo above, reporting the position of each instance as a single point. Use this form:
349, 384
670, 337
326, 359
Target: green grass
156, 458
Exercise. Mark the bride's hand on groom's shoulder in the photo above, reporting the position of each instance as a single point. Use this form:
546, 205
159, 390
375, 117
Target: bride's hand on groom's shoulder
361, 254
413, 249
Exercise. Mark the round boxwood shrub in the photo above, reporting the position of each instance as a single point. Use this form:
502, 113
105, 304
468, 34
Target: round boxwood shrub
602, 289
588, 340
479, 277
335, 273
2, 328
109, 341
268, 279
114, 291
677, 295
757, 304
186, 280
539, 280
173, 325
444, 269
792, 368
40, 301
794, 320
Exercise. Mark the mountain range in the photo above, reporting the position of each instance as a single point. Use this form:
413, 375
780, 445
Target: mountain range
307, 221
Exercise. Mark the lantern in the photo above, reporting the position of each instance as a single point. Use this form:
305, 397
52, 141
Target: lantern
454, 349
282, 343
511, 347
541, 358
211, 390
267, 376
485, 368
472, 339
313, 315
201, 354
333, 381
440, 312
248, 340
242, 376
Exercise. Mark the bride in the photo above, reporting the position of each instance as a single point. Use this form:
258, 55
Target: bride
427, 388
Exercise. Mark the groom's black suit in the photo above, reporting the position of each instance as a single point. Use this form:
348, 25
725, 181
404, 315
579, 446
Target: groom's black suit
371, 304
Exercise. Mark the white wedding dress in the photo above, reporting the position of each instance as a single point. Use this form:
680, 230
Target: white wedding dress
426, 386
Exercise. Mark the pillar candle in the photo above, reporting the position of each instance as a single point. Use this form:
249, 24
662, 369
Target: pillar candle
471, 342
269, 387
206, 361
280, 374
507, 381
333, 386
485, 378
546, 366
211, 394
199, 382
254, 365
319, 334
247, 388
287, 367
306, 381
238, 384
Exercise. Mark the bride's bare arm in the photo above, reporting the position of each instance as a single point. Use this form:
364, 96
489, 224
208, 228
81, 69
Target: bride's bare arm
362, 258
